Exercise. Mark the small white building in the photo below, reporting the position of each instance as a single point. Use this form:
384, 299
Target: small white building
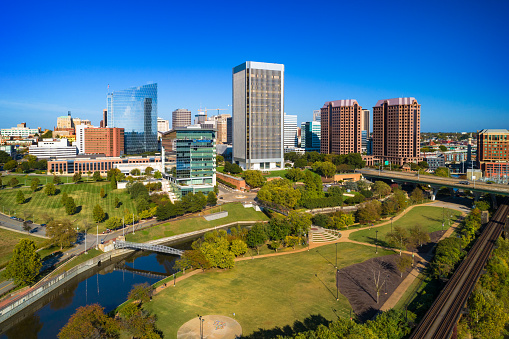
53, 148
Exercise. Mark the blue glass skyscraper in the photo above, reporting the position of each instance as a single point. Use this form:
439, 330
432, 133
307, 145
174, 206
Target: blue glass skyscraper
135, 110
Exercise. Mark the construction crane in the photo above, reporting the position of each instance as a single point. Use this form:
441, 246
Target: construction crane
212, 109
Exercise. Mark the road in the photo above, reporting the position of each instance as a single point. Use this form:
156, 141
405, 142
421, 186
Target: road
6, 221
478, 186
227, 194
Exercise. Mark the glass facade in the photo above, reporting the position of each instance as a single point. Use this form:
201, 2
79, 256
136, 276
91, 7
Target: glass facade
196, 156
135, 110
310, 136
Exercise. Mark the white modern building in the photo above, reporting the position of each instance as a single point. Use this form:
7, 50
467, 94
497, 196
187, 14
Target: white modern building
80, 137
258, 106
21, 130
290, 131
53, 148
163, 125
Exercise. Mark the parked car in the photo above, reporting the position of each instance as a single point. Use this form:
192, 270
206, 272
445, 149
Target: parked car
464, 183
33, 230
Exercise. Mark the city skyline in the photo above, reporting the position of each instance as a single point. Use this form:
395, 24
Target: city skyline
47, 70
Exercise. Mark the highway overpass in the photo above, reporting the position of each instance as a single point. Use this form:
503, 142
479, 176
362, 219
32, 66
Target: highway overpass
435, 182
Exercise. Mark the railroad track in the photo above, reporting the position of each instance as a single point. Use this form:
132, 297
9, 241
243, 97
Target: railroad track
440, 319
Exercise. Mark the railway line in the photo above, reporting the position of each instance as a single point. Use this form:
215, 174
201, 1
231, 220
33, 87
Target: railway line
441, 318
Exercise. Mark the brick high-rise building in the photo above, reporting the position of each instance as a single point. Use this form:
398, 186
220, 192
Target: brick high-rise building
340, 127
108, 141
397, 130
493, 153
180, 118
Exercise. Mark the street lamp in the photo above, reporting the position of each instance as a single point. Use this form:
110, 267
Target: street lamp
376, 241
201, 325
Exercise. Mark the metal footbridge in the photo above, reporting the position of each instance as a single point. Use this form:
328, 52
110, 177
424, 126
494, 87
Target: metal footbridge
148, 247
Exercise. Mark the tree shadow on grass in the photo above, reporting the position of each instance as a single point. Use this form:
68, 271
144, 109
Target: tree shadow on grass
380, 242
27, 200
311, 323
78, 209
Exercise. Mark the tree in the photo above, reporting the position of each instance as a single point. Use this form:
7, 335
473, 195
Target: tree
254, 178
294, 174
300, 163
50, 189
98, 213
398, 238
369, 211
24, 264
117, 202
26, 227
56, 180
447, 254
63, 199
238, 247
487, 316
148, 170
442, 172
70, 206
192, 258
482, 205
138, 322
442, 148
418, 235
377, 276
279, 228
137, 189
141, 292
292, 241
351, 185
97, 176
102, 193
13, 182
389, 325
76, 177
90, 322
211, 198
61, 232
325, 168
34, 184
381, 189
10, 165
300, 222
216, 249
113, 183
20, 198
279, 192
403, 263
417, 195
256, 236
4, 157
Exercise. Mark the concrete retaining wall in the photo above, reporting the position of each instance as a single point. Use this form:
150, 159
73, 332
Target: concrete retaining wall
216, 216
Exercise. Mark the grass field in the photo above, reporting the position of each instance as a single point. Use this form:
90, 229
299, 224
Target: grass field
427, 216
263, 293
9, 239
86, 196
236, 212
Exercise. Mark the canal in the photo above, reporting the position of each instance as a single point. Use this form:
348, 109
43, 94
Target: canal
107, 285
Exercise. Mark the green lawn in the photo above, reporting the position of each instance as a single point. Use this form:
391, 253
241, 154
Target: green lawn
9, 239
263, 293
236, 212
427, 216
277, 173
86, 196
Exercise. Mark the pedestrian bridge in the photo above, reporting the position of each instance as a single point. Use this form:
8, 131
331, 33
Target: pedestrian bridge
148, 247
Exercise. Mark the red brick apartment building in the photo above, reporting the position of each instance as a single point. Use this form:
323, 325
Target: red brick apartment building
107, 141
341, 127
493, 152
397, 130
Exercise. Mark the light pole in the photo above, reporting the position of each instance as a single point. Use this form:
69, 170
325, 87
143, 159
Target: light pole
376, 242
85, 240
97, 241
336, 255
201, 326
391, 223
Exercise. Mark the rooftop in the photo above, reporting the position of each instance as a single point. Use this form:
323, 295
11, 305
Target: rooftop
494, 131
396, 101
340, 103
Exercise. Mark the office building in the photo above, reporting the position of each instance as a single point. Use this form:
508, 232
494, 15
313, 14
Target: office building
53, 148
80, 137
221, 125
107, 141
163, 125
365, 120
65, 122
229, 130
316, 115
397, 130
435, 162
200, 118
135, 110
341, 127
493, 153
180, 118
258, 106
104, 121
290, 129
311, 132
194, 151
78, 121
20, 131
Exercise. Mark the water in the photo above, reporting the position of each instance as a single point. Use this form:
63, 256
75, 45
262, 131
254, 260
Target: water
108, 285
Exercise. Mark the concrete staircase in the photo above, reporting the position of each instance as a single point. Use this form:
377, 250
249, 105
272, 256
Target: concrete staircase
320, 234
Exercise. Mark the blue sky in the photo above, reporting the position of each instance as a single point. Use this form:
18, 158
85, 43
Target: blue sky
450, 55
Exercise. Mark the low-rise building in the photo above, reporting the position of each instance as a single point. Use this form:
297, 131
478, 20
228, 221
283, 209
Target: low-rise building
20, 131
102, 164
53, 148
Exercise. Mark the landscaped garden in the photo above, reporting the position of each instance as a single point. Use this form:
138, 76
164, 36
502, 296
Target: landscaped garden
264, 293
236, 212
428, 217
